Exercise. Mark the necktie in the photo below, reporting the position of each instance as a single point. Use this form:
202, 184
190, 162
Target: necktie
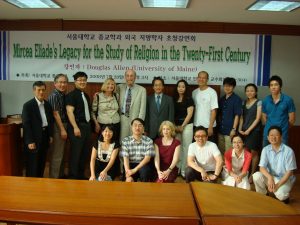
128, 102
86, 108
43, 114
158, 102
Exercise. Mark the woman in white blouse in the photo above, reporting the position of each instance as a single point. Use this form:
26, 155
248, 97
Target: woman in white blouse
104, 163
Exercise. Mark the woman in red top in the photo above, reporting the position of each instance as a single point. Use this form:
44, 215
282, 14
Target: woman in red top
167, 151
237, 162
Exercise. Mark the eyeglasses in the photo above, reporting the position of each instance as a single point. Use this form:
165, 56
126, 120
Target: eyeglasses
237, 142
137, 125
81, 80
200, 136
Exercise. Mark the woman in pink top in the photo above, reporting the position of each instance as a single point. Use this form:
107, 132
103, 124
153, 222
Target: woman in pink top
167, 151
237, 162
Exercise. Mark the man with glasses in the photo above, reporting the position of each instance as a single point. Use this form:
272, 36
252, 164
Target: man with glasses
79, 129
276, 166
160, 107
57, 101
204, 159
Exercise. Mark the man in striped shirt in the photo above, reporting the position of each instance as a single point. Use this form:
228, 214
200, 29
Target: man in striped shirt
57, 101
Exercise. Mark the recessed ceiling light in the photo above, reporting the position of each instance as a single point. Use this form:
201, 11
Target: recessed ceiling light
36, 4
164, 3
275, 5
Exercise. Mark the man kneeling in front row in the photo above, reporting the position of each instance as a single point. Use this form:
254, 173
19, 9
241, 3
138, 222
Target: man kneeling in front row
277, 163
204, 159
137, 151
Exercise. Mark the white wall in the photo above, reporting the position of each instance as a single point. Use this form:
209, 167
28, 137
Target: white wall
285, 62
13, 95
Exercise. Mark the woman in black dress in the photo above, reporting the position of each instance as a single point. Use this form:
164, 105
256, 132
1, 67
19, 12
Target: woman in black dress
250, 124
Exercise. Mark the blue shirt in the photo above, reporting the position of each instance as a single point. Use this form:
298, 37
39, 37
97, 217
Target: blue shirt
229, 108
280, 162
278, 114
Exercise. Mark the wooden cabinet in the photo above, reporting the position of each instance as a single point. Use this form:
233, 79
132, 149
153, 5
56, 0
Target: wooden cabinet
11, 157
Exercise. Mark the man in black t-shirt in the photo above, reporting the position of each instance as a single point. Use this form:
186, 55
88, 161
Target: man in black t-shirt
79, 129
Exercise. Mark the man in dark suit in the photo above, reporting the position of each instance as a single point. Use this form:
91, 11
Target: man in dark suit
160, 107
37, 121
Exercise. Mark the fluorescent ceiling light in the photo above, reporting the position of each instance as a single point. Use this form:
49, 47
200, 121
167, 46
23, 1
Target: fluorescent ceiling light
275, 5
37, 4
164, 3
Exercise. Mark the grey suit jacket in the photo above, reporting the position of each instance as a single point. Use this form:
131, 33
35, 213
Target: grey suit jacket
154, 117
138, 101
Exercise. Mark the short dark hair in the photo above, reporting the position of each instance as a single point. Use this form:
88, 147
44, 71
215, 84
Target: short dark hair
275, 128
276, 78
110, 127
80, 74
238, 135
229, 81
138, 119
201, 128
59, 76
158, 78
38, 84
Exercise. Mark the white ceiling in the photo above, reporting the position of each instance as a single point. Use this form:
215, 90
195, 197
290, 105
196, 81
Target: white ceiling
231, 11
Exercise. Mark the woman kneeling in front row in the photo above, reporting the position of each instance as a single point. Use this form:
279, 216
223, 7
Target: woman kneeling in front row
104, 163
237, 163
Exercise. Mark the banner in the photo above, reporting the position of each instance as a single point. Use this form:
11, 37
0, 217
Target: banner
40, 55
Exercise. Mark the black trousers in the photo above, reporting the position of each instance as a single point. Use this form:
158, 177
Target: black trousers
192, 175
80, 149
36, 159
145, 174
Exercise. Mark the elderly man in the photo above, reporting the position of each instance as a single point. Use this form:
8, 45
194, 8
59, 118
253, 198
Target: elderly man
57, 101
38, 128
277, 162
204, 159
137, 151
132, 102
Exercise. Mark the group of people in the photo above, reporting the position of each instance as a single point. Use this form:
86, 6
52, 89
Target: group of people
158, 137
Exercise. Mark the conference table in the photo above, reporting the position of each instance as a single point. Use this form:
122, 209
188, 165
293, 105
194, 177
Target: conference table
224, 205
57, 201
